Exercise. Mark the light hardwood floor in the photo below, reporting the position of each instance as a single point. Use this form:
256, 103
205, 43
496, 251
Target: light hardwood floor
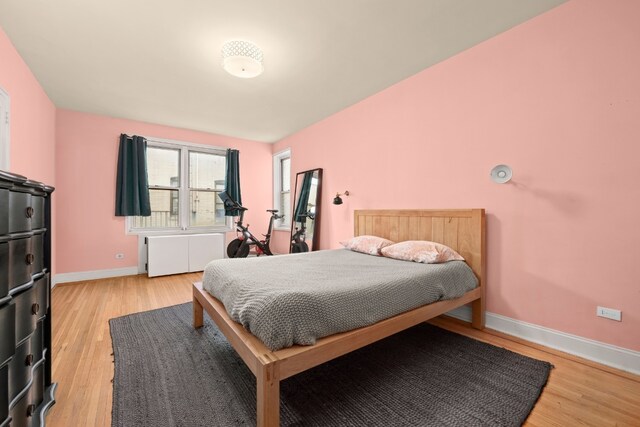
579, 392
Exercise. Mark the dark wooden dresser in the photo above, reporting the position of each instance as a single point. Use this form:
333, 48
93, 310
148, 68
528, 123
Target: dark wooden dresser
26, 390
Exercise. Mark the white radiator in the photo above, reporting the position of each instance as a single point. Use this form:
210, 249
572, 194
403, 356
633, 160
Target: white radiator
183, 253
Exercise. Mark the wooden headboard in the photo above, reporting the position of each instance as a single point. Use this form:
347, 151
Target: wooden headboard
461, 229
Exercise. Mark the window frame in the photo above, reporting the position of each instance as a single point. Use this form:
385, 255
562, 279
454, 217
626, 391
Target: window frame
5, 130
183, 189
282, 225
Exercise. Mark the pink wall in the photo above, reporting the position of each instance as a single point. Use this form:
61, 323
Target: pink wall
32, 120
32, 117
558, 99
87, 149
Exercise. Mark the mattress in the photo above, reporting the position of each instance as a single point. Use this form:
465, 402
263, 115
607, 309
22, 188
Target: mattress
296, 299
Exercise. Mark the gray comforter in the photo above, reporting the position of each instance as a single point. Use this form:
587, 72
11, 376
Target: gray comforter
296, 299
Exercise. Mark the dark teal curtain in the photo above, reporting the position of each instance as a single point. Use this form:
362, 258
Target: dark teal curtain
232, 181
132, 182
303, 198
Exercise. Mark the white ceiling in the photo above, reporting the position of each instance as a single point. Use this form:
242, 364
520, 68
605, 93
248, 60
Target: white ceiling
158, 61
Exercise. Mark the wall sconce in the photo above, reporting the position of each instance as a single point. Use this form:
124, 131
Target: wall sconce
338, 200
501, 174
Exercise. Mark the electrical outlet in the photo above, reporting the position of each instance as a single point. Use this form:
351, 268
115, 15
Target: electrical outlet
609, 313
119, 256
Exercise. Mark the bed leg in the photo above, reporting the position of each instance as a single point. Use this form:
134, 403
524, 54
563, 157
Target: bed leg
477, 314
198, 316
268, 396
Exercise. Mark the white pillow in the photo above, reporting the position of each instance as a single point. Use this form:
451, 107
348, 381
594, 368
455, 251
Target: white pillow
371, 245
421, 251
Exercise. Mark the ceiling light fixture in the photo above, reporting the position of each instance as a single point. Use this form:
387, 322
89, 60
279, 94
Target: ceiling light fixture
242, 59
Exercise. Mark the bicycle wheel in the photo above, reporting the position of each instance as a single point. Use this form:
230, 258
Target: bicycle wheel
299, 247
237, 250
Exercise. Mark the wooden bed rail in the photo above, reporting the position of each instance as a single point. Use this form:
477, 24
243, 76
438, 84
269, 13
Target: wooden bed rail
270, 367
462, 230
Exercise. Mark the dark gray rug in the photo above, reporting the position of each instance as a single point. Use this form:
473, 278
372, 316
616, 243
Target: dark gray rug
169, 374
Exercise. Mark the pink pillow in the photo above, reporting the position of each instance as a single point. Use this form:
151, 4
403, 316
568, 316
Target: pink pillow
421, 251
371, 245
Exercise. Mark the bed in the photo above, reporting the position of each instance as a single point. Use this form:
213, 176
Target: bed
461, 229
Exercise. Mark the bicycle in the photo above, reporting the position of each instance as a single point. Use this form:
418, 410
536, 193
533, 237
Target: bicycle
240, 247
298, 243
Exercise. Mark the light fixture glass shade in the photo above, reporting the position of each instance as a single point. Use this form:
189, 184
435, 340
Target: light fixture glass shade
242, 59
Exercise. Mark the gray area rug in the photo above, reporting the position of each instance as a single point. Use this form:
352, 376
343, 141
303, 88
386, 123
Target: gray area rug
169, 374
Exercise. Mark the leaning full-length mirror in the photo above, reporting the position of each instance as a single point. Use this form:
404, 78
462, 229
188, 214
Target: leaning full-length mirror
306, 211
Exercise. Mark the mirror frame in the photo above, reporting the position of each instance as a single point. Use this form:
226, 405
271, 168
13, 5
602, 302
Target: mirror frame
315, 242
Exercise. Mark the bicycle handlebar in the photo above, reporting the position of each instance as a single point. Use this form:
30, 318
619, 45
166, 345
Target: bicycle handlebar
230, 203
307, 214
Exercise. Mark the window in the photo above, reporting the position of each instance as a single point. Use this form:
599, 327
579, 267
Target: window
4, 130
282, 188
184, 185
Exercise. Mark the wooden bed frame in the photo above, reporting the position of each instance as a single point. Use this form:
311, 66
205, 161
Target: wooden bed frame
460, 229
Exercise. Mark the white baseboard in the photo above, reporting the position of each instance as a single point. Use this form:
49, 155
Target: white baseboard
607, 354
92, 275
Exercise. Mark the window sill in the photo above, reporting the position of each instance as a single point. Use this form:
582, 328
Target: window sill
282, 228
175, 231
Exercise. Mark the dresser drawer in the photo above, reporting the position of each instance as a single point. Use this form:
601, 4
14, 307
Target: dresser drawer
42, 296
37, 215
20, 212
37, 343
36, 253
4, 269
4, 393
4, 219
20, 262
25, 317
26, 257
36, 392
23, 413
7, 332
20, 369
